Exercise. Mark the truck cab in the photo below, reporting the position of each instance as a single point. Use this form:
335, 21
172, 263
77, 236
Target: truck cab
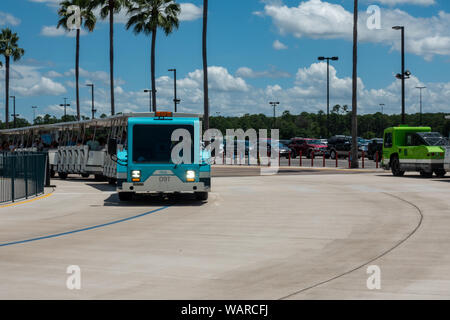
414, 149
154, 162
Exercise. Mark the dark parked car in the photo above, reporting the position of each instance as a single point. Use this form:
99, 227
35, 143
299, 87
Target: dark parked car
306, 147
375, 145
340, 146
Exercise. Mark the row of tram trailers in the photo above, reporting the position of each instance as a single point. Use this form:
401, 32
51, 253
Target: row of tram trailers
133, 151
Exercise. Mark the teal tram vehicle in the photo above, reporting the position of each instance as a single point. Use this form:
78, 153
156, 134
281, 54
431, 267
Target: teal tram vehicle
161, 154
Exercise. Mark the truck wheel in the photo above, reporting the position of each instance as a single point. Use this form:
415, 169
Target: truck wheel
440, 173
62, 175
425, 174
201, 196
52, 173
85, 175
395, 165
125, 196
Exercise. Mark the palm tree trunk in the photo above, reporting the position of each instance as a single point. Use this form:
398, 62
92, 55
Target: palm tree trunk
153, 69
7, 92
111, 53
77, 73
205, 67
355, 162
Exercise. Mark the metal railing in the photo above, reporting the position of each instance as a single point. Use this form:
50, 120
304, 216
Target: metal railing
22, 175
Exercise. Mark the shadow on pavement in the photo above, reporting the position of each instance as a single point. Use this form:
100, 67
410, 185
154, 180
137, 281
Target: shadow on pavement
102, 186
178, 200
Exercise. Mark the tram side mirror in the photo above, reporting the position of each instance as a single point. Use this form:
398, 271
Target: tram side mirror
112, 146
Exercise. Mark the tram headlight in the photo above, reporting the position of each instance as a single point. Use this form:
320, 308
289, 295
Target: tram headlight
190, 176
135, 175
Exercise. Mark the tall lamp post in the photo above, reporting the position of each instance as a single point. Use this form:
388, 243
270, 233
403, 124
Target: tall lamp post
405, 74
274, 104
92, 95
328, 86
420, 89
382, 113
65, 105
15, 115
34, 113
176, 101
149, 91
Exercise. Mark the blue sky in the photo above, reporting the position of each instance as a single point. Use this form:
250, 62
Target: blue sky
258, 51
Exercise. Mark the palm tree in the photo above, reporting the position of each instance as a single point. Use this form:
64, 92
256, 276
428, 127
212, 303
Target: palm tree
89, 19
109, 8
205, 66
9, 48
355, 162
146, 16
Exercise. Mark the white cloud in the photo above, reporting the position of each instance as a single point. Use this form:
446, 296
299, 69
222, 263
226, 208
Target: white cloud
273, 73
53, 31
322, 20
190, 12
94, 76
219, 79
28, 81
53, 74
307, 93
277, 45
8, 19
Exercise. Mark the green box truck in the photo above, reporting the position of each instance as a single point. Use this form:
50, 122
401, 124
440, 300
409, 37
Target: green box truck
414, 149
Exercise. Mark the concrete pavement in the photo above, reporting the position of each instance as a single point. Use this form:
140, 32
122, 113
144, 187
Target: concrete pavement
286, 236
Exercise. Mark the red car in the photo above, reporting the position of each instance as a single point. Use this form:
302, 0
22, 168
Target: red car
307, 147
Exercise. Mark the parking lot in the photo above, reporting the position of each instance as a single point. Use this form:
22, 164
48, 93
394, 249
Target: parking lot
290, 236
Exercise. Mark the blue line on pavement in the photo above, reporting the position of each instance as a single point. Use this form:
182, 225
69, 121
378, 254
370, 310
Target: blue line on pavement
81, 230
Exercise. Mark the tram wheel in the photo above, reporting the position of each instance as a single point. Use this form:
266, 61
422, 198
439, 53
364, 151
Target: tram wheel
62, 175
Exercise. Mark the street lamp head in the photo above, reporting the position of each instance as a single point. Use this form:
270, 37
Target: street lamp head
398, 27
407, 73
321, 58
335, 58
172, 70
398, 76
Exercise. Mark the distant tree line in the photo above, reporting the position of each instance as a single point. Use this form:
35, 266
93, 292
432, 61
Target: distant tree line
313, 125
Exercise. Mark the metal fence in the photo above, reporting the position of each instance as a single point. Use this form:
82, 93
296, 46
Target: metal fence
21, 175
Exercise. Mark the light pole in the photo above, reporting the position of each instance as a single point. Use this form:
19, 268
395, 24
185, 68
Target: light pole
14, 110
274, 104
382, 107
176, 101
405, 74
420, 89
92, 92
149, 91
34, 113
65, 105
328, 85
